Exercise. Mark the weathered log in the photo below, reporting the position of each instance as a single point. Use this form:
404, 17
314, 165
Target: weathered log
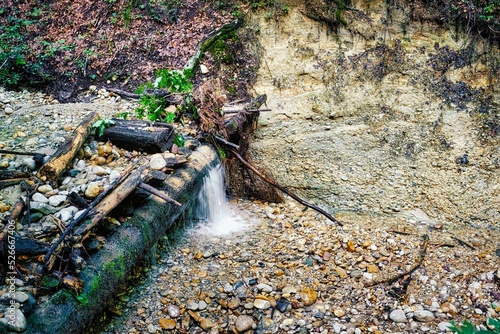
150, 137
246, 118
11, 182
9, 174
25, 246
111, 201
154, 178
68, 150
208, 41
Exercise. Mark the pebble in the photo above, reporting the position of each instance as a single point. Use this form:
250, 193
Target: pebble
173, 311
92, 190
57, 200
44, 188
167, 323
30, 163
39, 198
423, 315
244, 323
261, 304
398, 316
157, 162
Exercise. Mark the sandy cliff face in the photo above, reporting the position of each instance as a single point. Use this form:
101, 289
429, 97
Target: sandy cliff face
384, 115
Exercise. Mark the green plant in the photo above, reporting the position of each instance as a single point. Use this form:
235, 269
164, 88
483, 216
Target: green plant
100, 125
153, 106
122, 115
14, 50
50, 48
222, 153
179, 140
467, 328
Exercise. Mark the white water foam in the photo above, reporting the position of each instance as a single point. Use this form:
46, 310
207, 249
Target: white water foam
218, 217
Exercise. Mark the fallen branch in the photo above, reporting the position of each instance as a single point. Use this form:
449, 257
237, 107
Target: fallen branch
11, 182
157, 193
109, 202
157, 93
414, 267
286, 191
234, 111
463, 243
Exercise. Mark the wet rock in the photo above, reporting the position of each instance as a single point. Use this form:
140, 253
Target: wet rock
282, 305
14, 320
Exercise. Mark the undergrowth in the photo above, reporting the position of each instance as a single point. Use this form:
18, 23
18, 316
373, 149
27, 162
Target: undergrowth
153, 106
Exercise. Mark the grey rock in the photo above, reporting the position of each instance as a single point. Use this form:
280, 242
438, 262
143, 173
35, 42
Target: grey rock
398, 315
423, 315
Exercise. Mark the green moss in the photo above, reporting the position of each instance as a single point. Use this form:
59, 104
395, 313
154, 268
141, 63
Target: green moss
221, 51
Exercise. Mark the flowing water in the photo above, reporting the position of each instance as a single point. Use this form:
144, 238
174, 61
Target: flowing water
217, 217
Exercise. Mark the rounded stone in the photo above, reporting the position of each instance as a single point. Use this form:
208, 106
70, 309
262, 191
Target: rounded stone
57, 200
398, 315
30, 163
92, 190
423, 315
167, 323
308, 296
45, 188
261, 304
173, 311
244, 323
39, 198
157, 162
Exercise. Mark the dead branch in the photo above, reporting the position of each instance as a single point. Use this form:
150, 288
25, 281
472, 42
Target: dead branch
286, 191
157, 193
112, 199
463, 243
414, 267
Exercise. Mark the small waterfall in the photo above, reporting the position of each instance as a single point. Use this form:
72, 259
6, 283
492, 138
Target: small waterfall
217, 216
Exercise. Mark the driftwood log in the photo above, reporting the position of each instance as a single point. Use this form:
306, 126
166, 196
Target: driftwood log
68, 150
150, 137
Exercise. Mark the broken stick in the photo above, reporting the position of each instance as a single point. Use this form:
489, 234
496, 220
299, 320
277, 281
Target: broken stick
286, 191
414, 267
157, 193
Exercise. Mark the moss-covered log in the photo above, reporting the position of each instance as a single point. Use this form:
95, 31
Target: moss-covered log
64, 312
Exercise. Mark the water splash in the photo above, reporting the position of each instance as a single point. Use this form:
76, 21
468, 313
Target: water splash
218, 217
